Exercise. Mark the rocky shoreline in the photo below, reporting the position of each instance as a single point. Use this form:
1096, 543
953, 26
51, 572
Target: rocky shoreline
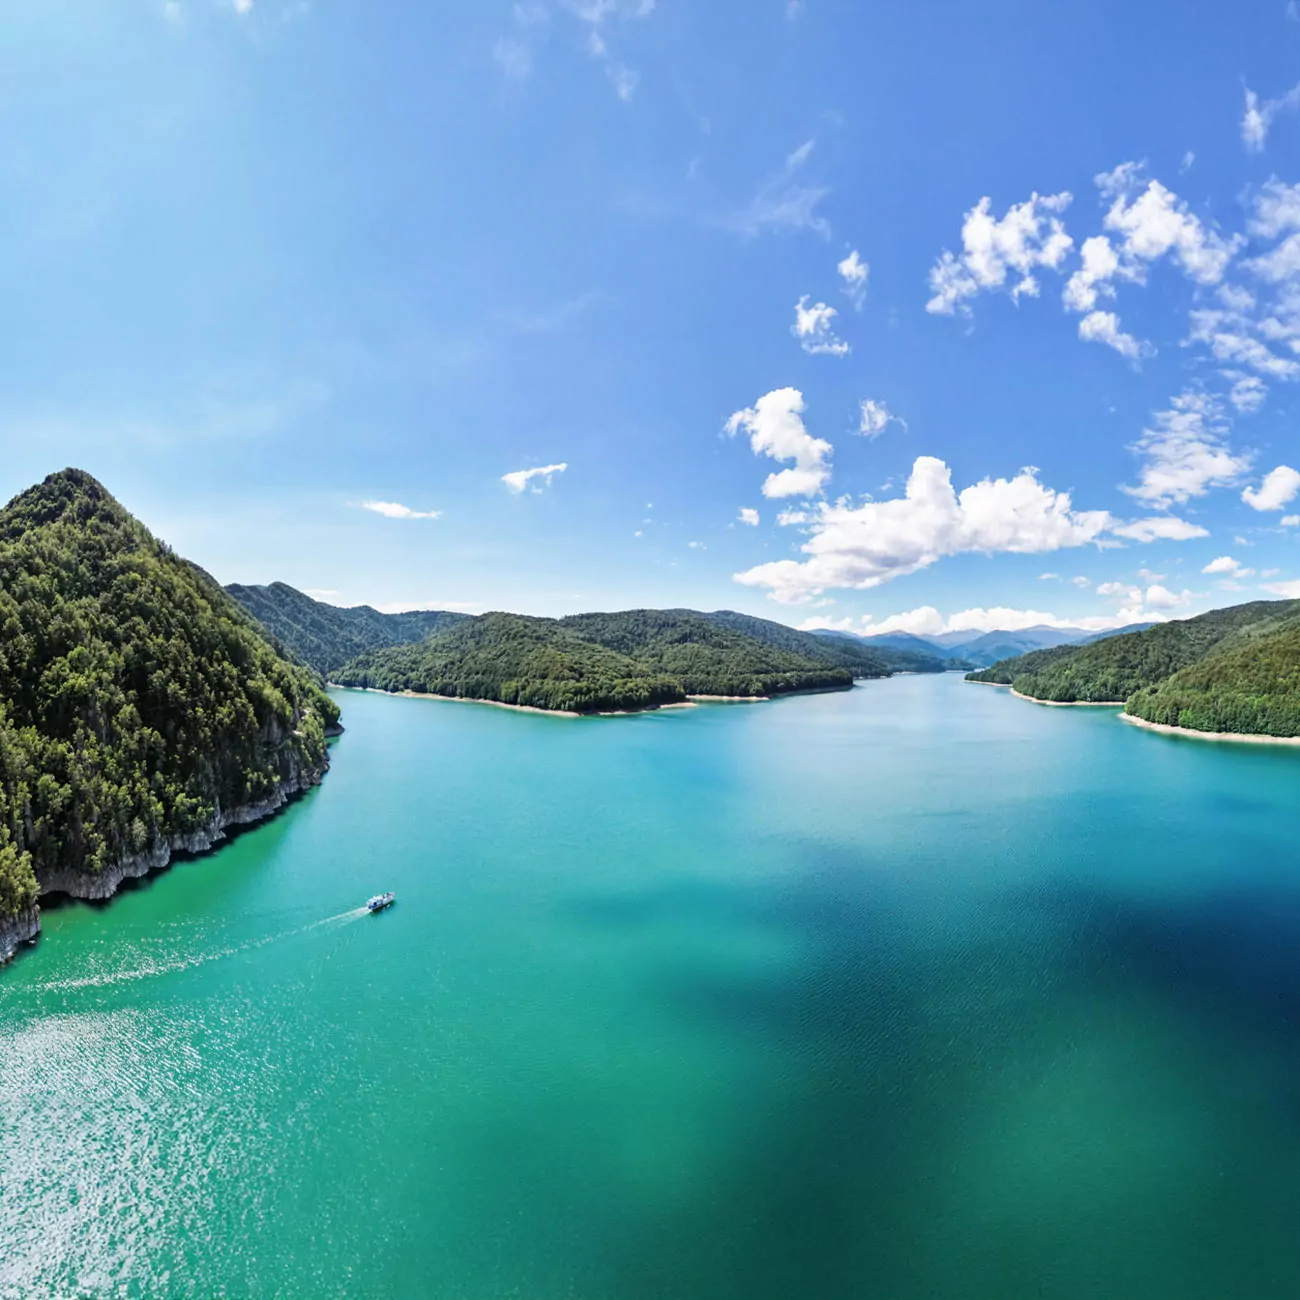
22, 928
100, 885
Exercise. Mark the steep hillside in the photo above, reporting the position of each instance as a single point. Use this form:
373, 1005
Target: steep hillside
141, 710
327, 636
1233, 664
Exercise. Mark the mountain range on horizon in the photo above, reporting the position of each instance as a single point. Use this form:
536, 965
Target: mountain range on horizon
984, 649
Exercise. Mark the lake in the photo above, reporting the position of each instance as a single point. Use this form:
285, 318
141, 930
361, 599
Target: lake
912, 991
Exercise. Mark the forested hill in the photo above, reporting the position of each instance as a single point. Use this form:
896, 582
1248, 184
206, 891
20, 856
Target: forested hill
592, 662
327, 636
1231, 670
137, 699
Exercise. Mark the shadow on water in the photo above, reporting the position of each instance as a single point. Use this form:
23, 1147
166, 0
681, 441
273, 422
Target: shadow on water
1036, 1104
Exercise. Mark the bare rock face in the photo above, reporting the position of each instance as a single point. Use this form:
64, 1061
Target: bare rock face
22, 928
98, 885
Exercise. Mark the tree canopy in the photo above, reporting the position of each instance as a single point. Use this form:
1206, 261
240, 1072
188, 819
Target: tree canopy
136, 697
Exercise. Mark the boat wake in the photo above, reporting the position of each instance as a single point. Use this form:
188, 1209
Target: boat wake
150, 969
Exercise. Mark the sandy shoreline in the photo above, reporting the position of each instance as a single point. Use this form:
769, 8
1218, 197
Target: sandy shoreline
1056, 704
1070, 704
1239, 736
519, 708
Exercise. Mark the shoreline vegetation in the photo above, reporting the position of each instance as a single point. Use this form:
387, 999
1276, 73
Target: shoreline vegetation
1231, 674
690, 702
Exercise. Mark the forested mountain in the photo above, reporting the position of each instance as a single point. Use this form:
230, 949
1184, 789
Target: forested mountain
1232, 669
517, 660
633, 659
326, 636
139, 704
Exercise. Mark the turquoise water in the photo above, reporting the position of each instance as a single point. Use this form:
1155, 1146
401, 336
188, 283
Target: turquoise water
917, 991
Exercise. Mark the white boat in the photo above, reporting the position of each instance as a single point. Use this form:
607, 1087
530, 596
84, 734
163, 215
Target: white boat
380, 901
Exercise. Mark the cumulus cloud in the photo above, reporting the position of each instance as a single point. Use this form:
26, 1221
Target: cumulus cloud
1247, 393
540, 477
1279, 488
1185, 452
776, 429
1226, 566
1260, 114
1287, 590
814, 327
1161, 598
1094, 276
1103, 327
1290, 521
927, 621
1112, 589
749, 516
854, 272
394, 510
1030, 235
875, 417
866, 545
1159, 528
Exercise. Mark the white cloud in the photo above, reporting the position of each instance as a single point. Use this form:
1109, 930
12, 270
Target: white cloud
819, 624
875, 417
1228, 567
814, 328
517, 480
1100, 265
394, 510
1259, 116
866, 545
321, 593
1189, 158
1186, 452
697, 546
1103, 327
1290, 521
776, 429
1081, 582
242, 6
1276, 209
1159, 528
1157, 222
1279, 488
1287, 590
1049, 577
1248, 392
927, 621
785, 202
1158, 597
748, 516
1112, 589
854, 272
1031, 235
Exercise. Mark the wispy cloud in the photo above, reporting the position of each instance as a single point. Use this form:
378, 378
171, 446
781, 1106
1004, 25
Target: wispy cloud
814, 328
785, 202
540, 477
395, 510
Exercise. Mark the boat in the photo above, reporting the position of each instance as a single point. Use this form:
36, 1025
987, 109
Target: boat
380, 901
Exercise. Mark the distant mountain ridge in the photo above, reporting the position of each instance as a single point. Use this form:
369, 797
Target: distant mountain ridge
987, 648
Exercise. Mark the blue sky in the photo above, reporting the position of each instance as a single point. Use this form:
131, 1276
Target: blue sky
312, 286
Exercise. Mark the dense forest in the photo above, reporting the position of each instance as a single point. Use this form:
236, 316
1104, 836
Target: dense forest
591, 662
517, 660
327, 636
136, 697
1233, 670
